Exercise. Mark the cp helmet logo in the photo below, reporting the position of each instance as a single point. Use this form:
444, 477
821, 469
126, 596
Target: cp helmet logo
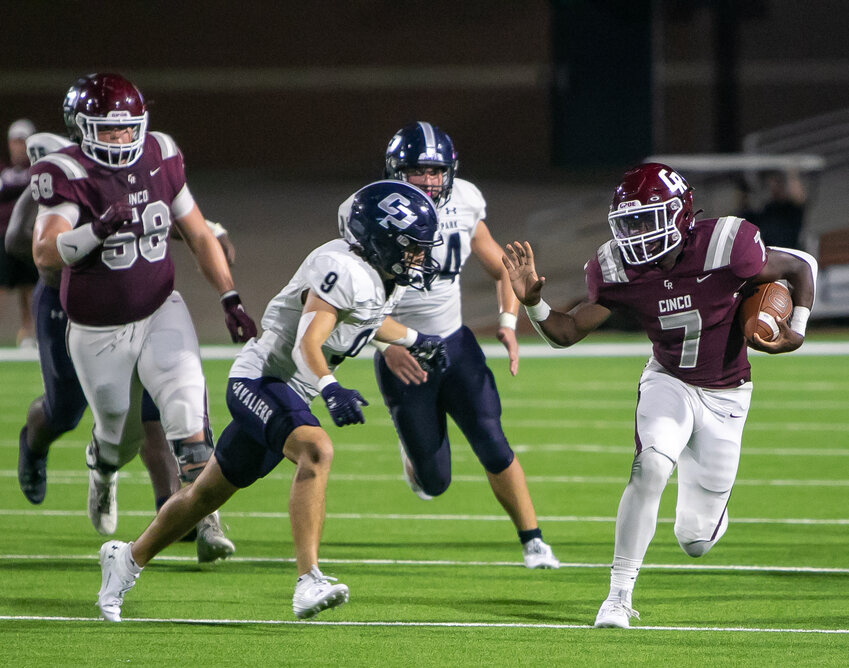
673, 181
397, 211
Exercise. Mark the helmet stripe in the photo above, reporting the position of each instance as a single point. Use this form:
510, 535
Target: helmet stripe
429, 137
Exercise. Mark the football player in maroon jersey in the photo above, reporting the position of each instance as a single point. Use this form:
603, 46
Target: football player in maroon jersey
106, 207
683, 280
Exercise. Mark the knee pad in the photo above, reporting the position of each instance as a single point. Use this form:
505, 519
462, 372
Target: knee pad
192, 456
694, 546
182, 412
651, 470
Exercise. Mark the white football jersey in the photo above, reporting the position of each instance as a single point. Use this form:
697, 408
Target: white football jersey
439, 309
342, 279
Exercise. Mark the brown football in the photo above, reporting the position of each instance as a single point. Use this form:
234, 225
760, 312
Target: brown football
759, 311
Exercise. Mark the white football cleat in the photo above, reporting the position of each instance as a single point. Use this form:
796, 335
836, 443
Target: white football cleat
102, 496
211, 542
616, 611
538, 554
314, 593
410, 475
116, 579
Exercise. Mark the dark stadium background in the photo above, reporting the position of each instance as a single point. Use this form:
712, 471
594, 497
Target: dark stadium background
282, 109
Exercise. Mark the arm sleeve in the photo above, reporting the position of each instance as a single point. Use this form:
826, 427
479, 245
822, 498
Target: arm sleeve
19, 233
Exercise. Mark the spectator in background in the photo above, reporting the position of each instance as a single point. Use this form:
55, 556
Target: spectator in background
16, 275
780, 220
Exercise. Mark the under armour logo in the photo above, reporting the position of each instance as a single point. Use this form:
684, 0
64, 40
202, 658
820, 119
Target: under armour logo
57, 314
667, 284
451, 210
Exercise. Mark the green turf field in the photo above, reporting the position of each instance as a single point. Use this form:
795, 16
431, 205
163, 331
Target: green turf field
440, 583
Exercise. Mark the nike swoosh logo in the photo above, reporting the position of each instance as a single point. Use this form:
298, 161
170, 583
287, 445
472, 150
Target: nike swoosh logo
153, 171
702, 278
71, 246
734, 416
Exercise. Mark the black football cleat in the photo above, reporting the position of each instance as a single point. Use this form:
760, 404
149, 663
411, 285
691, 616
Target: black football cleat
32, 471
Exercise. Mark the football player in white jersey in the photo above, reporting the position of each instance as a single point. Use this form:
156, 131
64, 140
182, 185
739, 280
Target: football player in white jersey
334, 304
420, 402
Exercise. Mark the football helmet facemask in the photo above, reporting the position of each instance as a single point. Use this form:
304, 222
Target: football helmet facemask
393, 226
651, 212
98, 102
422, 145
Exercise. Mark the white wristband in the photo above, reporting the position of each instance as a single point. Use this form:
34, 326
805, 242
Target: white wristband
324, 381
407, 340
538, 312
507, 319
216, 228
799, 319
75, 244
380, 345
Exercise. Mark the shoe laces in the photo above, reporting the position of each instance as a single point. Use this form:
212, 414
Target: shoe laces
620, 604
535, 546
318, 578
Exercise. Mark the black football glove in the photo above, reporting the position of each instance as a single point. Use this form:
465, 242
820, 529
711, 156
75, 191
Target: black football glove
344, 404
430, 352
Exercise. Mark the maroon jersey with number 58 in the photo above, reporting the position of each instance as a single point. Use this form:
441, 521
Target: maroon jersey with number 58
132, 274
688, 312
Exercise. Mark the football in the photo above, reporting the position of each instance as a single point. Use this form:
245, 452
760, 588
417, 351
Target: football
760, 310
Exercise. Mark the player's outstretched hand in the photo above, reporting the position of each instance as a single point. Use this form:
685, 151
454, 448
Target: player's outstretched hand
343, 404
519, 261
430, 352
405, 367
241, 326
111, 220
786, 341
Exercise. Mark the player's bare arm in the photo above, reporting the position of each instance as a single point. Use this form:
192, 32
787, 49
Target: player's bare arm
202, 242
487, 250
317, 322
398, 358
558, 328
800, 276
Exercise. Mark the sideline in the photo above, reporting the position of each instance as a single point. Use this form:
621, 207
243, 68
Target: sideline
494, 351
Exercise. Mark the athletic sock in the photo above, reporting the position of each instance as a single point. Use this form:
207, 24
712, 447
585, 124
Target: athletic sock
529, 534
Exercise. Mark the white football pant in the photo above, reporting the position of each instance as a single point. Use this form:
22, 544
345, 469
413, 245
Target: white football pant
159, 353
699, 430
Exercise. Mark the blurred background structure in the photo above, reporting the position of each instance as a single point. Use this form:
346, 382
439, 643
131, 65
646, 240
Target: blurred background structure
282, 109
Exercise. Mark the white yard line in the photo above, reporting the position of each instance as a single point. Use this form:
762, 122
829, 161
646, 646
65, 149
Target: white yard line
414, 517
743, 568
141, 478
448, 625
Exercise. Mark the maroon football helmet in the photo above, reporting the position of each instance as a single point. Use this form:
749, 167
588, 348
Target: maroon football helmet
98, 102
651, 211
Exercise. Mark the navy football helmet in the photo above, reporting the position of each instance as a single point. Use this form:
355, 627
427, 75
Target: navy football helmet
98, 102
421, 145
651, 212
393, 226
